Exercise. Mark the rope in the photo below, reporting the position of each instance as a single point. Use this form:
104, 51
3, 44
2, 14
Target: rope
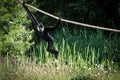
72, 22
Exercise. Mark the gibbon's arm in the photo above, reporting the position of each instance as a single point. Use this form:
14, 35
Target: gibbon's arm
52, 28
32, 17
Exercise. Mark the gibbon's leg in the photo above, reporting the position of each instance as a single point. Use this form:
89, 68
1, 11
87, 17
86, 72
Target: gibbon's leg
47, 37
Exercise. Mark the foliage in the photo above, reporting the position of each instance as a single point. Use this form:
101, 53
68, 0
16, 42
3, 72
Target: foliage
16, 41
23, 68
14, 38
83, 53
102, 13
88, 11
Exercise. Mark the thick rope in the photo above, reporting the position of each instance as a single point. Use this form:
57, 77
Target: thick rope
72, 22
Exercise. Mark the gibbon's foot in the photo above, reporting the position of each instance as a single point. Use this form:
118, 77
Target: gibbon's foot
56, 54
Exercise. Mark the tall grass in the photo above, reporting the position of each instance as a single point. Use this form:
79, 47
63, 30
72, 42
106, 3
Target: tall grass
83, 55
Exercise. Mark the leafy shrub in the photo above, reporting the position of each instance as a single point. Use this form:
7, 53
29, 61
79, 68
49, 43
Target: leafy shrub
14, 38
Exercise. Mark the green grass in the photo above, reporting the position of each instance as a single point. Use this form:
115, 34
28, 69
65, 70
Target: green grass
83, 55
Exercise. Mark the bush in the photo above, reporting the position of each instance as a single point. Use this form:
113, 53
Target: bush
16, 41
14, 38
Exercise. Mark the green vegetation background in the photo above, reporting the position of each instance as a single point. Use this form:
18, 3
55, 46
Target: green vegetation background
74, 42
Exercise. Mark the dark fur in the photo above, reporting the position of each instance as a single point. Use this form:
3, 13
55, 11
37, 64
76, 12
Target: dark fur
43, 34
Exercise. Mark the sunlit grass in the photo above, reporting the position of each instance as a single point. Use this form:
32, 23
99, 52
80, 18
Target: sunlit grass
25, 69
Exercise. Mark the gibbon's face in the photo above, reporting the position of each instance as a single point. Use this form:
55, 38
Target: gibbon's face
40, 27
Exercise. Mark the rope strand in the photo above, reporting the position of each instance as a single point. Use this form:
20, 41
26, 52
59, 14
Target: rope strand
72, 22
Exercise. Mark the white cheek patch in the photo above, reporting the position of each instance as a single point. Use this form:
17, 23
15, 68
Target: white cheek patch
41, 29
38, 28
